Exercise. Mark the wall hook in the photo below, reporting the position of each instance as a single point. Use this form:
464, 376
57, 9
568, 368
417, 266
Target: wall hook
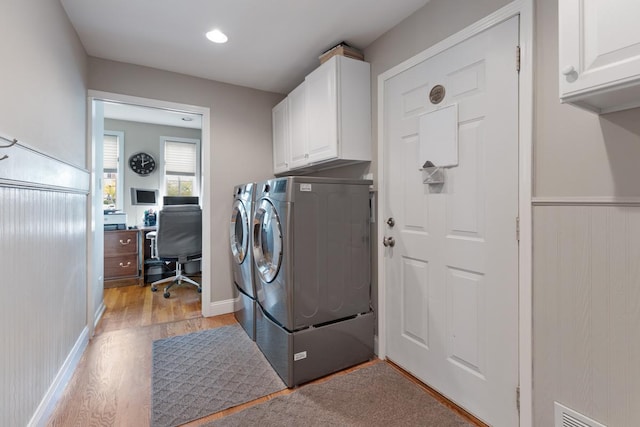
12, 142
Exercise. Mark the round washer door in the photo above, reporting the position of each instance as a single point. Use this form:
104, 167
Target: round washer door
267, 241
239, 232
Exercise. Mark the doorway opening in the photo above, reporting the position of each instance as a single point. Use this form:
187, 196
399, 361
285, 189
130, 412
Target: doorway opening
144, 126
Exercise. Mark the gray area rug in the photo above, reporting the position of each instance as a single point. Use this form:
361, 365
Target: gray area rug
376, 395
198, 374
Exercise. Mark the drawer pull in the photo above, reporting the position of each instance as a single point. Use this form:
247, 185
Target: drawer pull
125, 266
123, 243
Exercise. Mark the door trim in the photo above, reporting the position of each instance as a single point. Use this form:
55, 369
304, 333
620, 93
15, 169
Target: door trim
208, 308
523, 9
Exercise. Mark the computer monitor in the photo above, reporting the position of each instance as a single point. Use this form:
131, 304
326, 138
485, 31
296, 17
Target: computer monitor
180, 200
140, 196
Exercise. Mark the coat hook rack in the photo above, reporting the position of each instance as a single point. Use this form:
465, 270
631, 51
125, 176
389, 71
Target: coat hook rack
11, 142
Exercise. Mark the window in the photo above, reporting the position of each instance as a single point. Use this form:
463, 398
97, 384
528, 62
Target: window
181, 159
112, 177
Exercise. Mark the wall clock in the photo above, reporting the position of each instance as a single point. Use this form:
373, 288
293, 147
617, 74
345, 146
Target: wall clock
142, 163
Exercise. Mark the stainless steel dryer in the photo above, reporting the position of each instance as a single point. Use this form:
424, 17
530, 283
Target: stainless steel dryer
313, 273
242, 263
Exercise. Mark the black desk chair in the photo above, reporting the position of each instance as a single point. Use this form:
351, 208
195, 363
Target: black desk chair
179, 239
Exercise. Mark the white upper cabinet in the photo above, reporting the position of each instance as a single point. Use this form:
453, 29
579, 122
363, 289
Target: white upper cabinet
599, 54
298, 149
328, 120
339, 111
281, 140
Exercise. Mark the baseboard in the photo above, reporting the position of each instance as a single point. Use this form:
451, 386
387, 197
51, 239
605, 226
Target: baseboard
99, 313
219, 307
47, 405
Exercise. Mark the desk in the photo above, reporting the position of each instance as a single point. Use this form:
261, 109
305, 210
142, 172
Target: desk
121, 258
124, 255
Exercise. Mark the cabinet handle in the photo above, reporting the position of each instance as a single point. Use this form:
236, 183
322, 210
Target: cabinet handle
123, 243
125, 266
568, 70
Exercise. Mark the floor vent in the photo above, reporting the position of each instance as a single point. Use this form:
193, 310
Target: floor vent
566, 417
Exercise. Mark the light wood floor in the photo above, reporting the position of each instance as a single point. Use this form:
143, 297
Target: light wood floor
112, 383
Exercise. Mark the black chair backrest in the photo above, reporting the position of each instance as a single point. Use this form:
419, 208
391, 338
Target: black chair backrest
179, 233
180, 200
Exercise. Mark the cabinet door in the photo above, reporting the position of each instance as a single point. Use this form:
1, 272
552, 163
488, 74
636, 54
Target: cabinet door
322, 111
280, 121
599, 44
298, 150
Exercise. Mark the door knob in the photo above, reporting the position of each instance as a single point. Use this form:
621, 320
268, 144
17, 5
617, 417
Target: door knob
391, 222
389, 242
568, 70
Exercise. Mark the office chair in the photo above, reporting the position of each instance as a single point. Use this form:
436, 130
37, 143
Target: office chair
179, 239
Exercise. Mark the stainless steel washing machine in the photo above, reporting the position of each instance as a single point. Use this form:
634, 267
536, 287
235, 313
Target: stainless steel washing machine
242, 258
311, 247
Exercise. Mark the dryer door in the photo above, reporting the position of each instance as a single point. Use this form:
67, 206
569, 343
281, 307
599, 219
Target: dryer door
239, 232
267, 241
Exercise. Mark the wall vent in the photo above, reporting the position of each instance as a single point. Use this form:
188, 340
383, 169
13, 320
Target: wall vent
566, 417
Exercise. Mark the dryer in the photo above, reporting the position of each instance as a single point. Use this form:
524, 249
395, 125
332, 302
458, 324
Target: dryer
311, 247
242, 259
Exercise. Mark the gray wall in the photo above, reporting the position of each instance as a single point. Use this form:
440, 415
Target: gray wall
241, 142
42, 250
43, 83
577, 154
586, 278
144, 137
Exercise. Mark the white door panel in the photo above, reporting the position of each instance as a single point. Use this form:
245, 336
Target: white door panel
451, 277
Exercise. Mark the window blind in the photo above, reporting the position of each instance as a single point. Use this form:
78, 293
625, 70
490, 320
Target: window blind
180, 158
110, 154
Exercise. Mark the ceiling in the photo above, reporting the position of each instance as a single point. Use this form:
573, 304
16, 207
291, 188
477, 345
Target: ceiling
272, 44
137, 113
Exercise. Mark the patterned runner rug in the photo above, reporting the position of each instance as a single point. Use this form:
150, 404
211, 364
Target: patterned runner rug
198, 374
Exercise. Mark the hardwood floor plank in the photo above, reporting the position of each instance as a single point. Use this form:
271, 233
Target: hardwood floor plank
112, 383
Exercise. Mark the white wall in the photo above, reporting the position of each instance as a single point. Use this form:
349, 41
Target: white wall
241, 142
43, 308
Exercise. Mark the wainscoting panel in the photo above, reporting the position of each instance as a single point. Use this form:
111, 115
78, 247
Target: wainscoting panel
43, 277
586, 290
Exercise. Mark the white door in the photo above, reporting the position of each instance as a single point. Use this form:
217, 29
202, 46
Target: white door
452, 276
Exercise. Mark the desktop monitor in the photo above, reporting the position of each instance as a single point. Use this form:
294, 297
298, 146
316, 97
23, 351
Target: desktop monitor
144, 197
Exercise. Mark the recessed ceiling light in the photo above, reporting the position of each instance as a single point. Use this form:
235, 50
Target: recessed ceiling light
217, 36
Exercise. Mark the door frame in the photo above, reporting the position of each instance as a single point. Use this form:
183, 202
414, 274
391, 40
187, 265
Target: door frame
94, 95
523, 9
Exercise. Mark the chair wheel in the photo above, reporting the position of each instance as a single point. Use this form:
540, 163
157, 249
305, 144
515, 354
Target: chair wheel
154, 289
199, 290
167, 294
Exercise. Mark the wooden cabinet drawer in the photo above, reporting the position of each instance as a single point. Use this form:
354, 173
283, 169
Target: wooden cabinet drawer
121, 266
120, 242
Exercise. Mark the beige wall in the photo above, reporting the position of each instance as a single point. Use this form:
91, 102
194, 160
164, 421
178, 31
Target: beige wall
43, 79
43, 258
241, 142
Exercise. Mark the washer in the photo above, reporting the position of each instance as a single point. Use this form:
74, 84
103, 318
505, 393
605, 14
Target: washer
313, 274
242, 259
